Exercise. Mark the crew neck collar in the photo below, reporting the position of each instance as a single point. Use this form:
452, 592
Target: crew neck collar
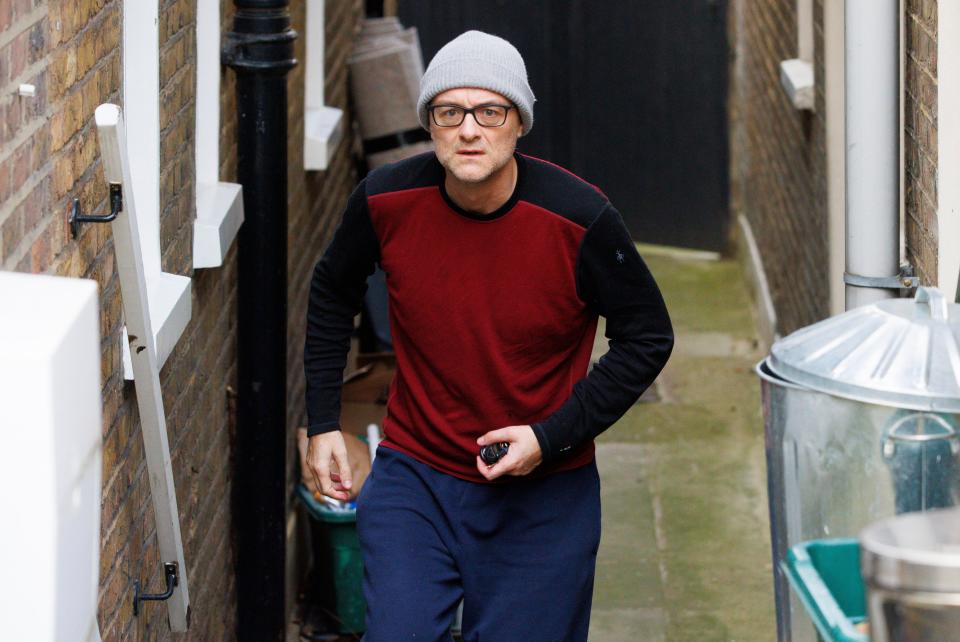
500, 211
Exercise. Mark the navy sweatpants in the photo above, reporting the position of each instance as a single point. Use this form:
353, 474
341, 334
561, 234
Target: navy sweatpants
521, 555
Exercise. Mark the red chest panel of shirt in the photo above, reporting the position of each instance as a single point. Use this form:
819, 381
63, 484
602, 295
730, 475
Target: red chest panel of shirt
486, 321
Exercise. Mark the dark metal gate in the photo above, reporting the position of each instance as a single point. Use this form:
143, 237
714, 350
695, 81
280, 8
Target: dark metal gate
631, 95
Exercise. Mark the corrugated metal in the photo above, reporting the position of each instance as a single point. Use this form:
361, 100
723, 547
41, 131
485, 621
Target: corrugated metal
899, 352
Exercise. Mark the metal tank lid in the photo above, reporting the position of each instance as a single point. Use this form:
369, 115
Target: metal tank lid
898, 352
914, 551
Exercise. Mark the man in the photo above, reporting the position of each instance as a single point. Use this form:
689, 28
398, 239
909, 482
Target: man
497, 266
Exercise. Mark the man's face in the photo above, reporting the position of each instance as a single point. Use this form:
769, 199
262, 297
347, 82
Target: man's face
470, 152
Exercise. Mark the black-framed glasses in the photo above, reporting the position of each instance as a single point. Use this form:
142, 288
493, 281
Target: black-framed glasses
491, 115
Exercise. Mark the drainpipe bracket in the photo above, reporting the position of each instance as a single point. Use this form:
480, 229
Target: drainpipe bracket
905, 280
259, 51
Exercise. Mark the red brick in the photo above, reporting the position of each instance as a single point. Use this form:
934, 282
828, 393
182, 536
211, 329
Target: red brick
22, 161
68, 17
32, 208
5, 178
6, 15
41, 253
12, 232
19, 48
36, 107
37, 41
920, 144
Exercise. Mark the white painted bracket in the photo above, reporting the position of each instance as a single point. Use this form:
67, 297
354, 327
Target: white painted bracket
322, 133
146, 367
796, 76
50, 459
219, 204
170, 308
323, 125
168, 295
219, 216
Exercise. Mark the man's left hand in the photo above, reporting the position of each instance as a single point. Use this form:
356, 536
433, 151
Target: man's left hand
522, 457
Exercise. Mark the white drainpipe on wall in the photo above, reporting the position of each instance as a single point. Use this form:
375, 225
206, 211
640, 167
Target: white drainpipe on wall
872, 150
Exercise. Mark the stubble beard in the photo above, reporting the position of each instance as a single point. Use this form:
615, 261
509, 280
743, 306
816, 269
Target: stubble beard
470, 176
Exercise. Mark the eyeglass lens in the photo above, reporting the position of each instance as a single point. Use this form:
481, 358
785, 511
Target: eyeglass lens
485, 115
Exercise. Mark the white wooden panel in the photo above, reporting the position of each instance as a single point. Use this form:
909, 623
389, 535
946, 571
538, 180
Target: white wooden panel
315, 74
219, 216
141, 100
836, 155
323, 131
796, 77
50, 457
167, 294
323, 126
805, 41
207, 134
133, 285
219, 205
948, 146
170, 311
796, 74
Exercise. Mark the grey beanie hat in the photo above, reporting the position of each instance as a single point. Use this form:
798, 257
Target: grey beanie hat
477, 59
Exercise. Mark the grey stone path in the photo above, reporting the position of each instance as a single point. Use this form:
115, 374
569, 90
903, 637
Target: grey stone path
685, 554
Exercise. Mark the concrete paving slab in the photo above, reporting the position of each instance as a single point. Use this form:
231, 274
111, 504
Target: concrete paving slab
628, 625
685, 554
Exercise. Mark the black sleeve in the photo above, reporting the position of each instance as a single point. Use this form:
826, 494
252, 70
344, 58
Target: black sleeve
336, 295
615, 283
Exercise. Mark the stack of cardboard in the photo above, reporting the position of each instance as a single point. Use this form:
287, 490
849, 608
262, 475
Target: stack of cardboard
385, 70
365, 393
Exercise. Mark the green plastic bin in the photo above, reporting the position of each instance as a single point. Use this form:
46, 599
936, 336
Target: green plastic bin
825, 574
347, 561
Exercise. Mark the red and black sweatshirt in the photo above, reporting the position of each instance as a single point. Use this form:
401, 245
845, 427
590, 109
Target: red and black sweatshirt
493, 316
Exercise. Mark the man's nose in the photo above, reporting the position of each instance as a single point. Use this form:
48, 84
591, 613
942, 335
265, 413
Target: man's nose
469, 129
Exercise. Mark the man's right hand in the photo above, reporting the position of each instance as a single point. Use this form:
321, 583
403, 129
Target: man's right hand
327, 461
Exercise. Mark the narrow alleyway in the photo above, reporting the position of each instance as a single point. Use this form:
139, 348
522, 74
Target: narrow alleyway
685, 549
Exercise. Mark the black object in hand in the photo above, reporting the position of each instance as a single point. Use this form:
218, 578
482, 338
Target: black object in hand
493, 453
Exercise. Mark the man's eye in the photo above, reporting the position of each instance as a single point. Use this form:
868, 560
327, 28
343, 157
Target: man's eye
450, 112
489, 111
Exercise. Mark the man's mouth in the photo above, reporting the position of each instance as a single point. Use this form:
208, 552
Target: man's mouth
470, 152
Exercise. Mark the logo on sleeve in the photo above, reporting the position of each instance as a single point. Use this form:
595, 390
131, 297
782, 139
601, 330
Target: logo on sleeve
619, 256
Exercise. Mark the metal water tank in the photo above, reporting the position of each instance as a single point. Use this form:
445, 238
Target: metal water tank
861, 413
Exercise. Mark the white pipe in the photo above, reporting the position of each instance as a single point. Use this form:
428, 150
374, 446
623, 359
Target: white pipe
872, 145
948, 152
836, 164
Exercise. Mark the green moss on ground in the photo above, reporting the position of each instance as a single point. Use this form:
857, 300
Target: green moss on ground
685, 552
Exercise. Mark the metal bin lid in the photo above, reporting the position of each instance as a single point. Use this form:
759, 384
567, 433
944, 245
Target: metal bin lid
913, 551
898, 352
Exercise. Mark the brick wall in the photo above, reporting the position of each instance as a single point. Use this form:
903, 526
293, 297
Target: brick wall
194, 381
778, 158
778, 155
920, 137
71, 51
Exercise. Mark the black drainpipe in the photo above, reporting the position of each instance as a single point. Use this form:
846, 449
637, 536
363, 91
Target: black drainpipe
260, 51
